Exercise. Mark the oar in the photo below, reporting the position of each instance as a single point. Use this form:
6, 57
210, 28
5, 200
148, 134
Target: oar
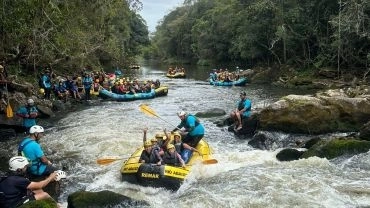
9, 110
150, 112
106, 161
210, 161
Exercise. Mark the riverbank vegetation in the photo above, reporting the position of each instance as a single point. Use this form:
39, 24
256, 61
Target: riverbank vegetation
69, 35
308, 35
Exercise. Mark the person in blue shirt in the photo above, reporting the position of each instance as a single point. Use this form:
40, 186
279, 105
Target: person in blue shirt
87, 83
61, 91
194, 130
29, 113
46, 84
17, 189
31, 149
243, 110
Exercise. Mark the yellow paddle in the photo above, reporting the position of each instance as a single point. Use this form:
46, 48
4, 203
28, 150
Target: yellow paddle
9, 110
210, 161
106, 161
150, 112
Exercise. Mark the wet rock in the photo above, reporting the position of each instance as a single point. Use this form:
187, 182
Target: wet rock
289, 154
40, 203
102, 199
45, 111
214, 112
337, 147
365, 132
7, 134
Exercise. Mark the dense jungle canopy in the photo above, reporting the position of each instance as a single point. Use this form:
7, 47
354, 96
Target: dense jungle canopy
106, 33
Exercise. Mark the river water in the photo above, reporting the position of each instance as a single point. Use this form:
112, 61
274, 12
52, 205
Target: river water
243, 176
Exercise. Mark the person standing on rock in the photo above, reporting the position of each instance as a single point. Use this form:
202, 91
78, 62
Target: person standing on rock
29, 113
46, 84
243, 110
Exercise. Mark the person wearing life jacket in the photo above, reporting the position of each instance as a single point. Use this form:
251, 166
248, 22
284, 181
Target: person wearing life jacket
29, 113
185, 150
31, 149
149, 156
194, 130
172, 157
46, 83
243, 110
16, 189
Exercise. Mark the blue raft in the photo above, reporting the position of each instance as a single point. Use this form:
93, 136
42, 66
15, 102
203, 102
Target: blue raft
105, 94
240, 82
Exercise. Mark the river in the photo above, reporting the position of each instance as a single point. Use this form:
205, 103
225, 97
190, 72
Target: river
243, 176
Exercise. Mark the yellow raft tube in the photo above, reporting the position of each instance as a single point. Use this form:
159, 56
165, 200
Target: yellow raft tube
166, 176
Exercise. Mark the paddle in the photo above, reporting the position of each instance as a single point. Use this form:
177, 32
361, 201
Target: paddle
9, 110
210, 161
150, 112
106, 161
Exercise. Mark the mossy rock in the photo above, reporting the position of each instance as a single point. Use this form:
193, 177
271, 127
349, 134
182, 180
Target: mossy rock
289, 154
46, 203
82, 199
337, 147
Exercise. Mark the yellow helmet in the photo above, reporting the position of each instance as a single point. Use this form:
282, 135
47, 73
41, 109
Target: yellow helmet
170, 146
160, 136
147, 144
176, 133
154, 140
42, 91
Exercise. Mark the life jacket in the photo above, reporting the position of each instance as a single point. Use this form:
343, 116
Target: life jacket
21, 146
171, 159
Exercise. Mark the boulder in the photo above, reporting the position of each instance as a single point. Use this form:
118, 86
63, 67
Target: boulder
214, 112
289, 154
102, 199
337, 147
365, 132
332, 111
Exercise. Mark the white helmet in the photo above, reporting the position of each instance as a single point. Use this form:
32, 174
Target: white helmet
36, 129
17, 162
182, 113
30, 102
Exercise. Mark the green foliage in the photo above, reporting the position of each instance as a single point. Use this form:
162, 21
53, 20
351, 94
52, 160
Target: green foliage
70, 34
301, 33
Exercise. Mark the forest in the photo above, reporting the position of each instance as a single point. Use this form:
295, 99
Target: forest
67, 35
308, 35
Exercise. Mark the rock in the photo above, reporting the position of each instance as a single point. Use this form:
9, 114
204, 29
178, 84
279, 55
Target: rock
40, 203
332, 111
214, 112
45, 112
289, 154
337, 147
102, 199
365, 132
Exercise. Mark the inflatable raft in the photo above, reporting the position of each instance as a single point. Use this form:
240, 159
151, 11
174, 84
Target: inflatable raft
105, 94
166, 176
177, 75
240, 82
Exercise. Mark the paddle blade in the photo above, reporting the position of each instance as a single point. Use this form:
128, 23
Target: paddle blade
147, 110
106, 161
210, 161
9, 111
